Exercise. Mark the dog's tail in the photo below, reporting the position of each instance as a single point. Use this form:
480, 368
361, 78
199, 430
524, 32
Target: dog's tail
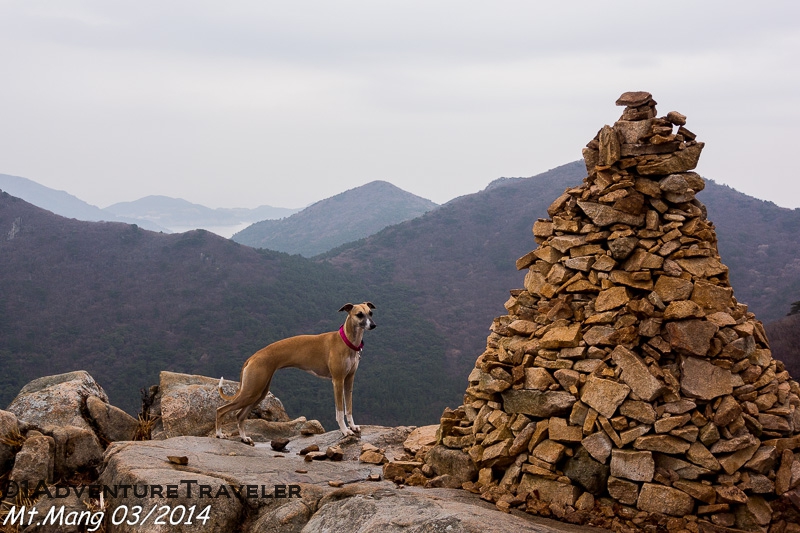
222, 393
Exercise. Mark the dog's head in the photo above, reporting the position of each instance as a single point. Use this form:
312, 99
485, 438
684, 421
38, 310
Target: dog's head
360, 314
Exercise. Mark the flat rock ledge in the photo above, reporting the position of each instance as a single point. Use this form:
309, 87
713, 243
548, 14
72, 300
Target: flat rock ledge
333, 495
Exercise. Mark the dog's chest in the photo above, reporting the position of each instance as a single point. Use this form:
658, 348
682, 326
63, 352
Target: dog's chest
351, 362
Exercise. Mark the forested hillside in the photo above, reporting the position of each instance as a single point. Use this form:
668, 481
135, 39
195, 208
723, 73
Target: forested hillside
460, 258
124, 304
760, 243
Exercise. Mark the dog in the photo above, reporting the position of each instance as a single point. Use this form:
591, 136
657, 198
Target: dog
333, 355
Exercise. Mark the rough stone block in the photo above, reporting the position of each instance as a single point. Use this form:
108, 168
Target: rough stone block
549, 490
636, 375
691, 336
632, 465
604, 395
655, 498
599, 445
538, 403
625, 492
704, 380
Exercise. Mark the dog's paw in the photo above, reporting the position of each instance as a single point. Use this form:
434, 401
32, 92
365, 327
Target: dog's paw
221, 435
357, 429
248, 441
346, 432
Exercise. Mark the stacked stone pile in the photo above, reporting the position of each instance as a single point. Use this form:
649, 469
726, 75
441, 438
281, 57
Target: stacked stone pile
627, 387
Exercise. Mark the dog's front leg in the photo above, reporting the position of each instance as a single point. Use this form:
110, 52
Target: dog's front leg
348, 402
338, 395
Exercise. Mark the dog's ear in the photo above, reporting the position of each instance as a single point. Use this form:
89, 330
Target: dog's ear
369, 304
346, 307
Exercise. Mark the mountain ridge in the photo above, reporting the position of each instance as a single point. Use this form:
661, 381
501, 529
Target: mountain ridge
348, 216
62, 203
178, 212
154, 212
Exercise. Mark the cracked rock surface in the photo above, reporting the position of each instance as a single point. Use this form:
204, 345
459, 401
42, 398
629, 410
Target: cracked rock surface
333, 495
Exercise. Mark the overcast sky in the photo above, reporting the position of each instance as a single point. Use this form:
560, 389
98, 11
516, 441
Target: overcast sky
238, 104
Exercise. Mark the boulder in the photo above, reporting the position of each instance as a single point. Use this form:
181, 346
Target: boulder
187, 405
549, 451
73, 505
634, 99
8, 429
145, 466
57, 401
77, 450
603, 215
710, 297
609, 146
113, 424
632, 131
598, 445
564, 337
368, 509
625, 492
611, 299
538, 378
670, 289
34, 462
662, 443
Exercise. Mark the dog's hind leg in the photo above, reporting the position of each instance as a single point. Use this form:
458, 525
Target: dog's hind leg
241, 417
222, 411
254, 388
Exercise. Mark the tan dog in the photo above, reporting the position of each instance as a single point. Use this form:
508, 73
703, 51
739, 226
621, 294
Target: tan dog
333, 355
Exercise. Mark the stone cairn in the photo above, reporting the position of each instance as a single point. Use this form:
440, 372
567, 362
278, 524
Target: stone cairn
627, 388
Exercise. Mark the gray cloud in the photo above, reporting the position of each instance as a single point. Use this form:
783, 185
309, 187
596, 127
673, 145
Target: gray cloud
275, 102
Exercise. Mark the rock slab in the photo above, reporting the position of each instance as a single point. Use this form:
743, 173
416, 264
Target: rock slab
351, 503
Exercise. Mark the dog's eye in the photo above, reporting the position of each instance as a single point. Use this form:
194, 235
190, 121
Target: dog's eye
360, 314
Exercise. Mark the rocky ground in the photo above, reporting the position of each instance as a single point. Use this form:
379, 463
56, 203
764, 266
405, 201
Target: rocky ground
62, 438
334, 495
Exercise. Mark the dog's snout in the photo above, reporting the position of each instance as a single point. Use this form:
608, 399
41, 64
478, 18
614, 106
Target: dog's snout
371, 324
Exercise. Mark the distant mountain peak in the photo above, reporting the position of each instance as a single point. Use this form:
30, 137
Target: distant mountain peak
320, 227
152, 200
56, 201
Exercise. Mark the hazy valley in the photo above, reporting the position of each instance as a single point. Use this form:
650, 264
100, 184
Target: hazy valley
155, 213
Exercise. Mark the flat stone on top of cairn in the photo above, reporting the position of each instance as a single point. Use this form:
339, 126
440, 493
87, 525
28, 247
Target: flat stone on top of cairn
627, 387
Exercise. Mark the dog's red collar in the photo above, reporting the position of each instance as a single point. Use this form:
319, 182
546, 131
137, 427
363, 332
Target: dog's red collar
347, 341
